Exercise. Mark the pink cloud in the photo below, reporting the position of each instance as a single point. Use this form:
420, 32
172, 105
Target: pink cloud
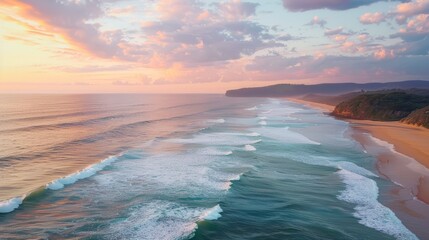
413, 8
409, 9
194, 35
383, 54
70, 19
317, 21
363, 37
192, 41
371, 18
123, 11
237, 9
186, 32
335, 31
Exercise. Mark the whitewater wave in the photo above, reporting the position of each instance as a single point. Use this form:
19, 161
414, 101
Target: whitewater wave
363, 192
82, 174
335, 163
253, 134
216, 139
163, 220
249, 148
263, 123
252, 108
382, 143
8, 206
285, 135
213, 213
214, 152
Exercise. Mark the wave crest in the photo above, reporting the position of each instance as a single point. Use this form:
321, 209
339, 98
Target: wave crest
82, 174
11, 204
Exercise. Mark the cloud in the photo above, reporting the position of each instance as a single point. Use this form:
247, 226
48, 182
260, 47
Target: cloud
409, 9
70, 19
20, 39
305, 5
186, 32
371, 18
335, 31
413, 8
414, 35
92, 68
417, 28
196, 41
363, 37
383, 54
196, 36
126, 83
344, 68
317, 21
121, 11
288, 37
236, 9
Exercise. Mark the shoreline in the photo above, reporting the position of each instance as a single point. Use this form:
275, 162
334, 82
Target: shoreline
402, 157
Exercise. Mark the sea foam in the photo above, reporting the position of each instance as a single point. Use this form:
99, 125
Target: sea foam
157, 220
253, 134
162, 220
249, 148
363, 192
216, 139
11, 204
214, 152
213, 213
285, 135
82, 174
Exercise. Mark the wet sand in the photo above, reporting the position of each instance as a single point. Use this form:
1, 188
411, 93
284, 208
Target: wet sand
402, 152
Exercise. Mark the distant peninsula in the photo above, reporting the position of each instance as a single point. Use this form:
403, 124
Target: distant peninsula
296, 90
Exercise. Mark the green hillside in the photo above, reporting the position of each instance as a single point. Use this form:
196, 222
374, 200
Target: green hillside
419, 117
389, 106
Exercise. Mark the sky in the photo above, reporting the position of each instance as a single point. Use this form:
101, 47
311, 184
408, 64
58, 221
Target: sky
190, 46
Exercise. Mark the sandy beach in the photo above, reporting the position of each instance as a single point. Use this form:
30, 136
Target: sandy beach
409, 140
402, 151
325, 107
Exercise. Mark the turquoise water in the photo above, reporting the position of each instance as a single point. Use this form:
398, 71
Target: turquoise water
208, 167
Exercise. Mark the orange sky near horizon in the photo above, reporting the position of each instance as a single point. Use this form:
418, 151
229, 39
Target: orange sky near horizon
172, 46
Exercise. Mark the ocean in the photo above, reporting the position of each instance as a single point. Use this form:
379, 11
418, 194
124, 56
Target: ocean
132, 166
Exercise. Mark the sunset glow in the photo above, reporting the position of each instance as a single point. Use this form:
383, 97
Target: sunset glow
175, 46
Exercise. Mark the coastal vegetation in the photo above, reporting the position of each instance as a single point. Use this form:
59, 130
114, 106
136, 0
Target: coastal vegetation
419, 117
389, 106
